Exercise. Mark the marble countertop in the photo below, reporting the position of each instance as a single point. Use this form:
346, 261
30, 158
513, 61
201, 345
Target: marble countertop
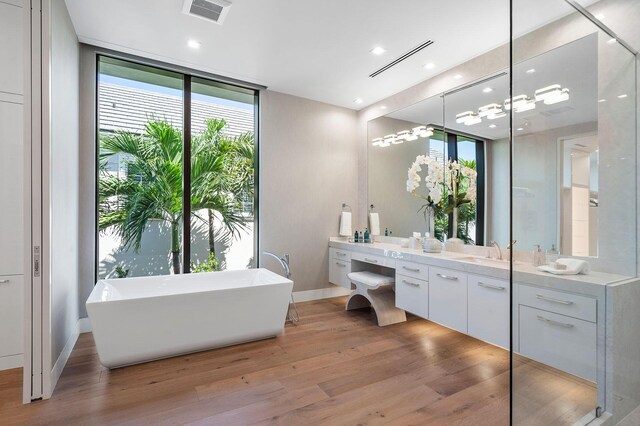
524, 272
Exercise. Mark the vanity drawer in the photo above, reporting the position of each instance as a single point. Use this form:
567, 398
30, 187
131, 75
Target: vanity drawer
560, 341
413, 270
339, 254
489, 309
338, 271
412, 295
374, 259
573, 305
448, 298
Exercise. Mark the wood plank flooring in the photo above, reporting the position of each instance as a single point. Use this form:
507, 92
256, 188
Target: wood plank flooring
333, 368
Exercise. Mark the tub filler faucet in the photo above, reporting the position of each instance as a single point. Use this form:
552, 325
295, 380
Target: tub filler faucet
294, 316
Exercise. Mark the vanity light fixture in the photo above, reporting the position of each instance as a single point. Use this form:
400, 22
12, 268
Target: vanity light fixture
378, 50
520, 103
552, 94
463, 117
563, 96
403, 135
390, 139
473, 119
194, 44
426, 132
377, 142
491, 109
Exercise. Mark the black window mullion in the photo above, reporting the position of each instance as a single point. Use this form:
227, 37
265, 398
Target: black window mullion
480, 213
186, 177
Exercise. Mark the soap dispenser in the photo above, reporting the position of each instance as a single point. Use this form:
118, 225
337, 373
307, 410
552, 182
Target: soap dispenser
386, 232
355, 237
552, 255
538, 256
366, 235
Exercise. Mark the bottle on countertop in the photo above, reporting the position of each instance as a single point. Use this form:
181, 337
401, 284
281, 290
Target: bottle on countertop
355, 237
538, 256
366, 235
386, 232
552, 255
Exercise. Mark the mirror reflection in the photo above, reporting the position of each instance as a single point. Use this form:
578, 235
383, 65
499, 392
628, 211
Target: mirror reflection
555, 128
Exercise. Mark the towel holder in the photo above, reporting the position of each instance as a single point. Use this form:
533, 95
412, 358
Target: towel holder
371, 208
346, 206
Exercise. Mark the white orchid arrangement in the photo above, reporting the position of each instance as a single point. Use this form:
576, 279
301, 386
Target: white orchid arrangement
448, 185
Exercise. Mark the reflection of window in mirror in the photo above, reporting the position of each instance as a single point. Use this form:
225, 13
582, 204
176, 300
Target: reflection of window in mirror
579, 196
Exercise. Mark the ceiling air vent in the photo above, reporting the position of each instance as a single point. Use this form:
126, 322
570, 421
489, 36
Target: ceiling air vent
211, 10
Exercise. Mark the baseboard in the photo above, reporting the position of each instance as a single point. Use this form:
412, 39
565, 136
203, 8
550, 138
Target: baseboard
321, 293
11, 361
84, 324
61, 362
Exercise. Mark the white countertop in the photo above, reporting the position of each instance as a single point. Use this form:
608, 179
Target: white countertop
526, 273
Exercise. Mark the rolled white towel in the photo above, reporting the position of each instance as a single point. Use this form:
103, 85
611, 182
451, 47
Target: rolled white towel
574, 267
345, 224
374, 224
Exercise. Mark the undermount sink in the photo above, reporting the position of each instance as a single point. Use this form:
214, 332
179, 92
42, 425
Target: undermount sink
485, 261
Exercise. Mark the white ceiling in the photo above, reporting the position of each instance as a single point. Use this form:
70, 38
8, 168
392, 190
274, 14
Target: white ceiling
313, 49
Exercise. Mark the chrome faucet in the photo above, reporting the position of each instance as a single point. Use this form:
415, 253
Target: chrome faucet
498, 249
284, 261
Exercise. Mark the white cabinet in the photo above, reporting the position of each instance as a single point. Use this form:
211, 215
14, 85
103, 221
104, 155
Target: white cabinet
11, 49
338, 271
11, 188
489, 309
448, 298
563, 342
412, 295
11, 309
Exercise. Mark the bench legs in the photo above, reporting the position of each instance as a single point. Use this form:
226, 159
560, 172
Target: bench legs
383, 302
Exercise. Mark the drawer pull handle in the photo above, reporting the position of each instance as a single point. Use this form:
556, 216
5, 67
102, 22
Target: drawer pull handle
4, 281
370, 260
551, 299
341, 254
552, 322
447, 277
411, 269
491, 286
340, 264
410, 283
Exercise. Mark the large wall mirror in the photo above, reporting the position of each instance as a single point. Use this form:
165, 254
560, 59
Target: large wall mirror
555, 128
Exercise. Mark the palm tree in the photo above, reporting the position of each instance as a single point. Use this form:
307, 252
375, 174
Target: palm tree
151, 188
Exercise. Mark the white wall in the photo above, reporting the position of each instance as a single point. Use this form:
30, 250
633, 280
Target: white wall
64, 178
308, 168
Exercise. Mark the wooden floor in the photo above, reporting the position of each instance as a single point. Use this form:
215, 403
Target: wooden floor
334, 368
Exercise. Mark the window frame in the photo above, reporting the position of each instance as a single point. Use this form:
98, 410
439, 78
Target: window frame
187, 75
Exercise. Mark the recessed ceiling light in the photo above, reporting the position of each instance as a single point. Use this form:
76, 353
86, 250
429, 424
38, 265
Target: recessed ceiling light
487, 90
600, 16
457, 76
492, 126
531, 71
622, 96
602, 100
383, 107
520, 129
194, 44
378, 50
429, 66
358, 100
612, 41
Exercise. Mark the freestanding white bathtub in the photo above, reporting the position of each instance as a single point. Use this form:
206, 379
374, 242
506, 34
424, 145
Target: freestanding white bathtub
136, 320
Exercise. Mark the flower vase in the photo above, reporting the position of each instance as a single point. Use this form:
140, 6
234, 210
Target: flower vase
431, 244
453, 242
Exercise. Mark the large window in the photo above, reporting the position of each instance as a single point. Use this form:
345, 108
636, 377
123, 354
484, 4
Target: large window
176, 161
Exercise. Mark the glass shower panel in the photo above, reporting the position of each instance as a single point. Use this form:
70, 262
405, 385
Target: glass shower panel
573, 200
